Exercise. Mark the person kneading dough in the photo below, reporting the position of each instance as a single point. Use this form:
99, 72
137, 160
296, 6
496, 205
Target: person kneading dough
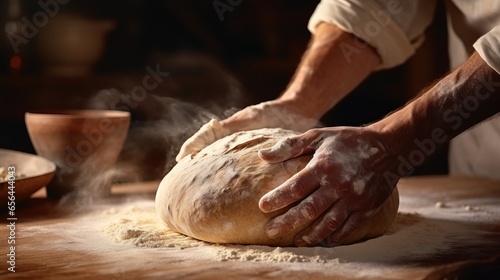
214, 195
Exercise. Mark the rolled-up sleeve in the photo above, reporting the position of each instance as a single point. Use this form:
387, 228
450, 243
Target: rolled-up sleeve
394, 28
488, 47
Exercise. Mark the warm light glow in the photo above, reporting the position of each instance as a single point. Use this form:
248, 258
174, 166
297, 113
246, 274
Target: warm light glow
15, 62
11, 27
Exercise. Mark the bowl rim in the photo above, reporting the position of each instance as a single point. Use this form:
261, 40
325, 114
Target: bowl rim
51, 167
76, 113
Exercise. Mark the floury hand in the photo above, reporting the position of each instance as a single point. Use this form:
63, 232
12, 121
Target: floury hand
342, 186
271, 114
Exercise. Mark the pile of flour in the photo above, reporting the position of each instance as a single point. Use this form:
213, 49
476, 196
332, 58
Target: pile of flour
141, 227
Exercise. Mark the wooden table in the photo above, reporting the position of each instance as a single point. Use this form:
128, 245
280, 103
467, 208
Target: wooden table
46, 249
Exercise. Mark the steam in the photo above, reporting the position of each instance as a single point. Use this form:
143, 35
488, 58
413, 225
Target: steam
160, 120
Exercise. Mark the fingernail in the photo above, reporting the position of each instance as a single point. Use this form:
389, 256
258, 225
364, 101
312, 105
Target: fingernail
265, 206
302, 241
263, 154
272, 231
265, 151
306, 239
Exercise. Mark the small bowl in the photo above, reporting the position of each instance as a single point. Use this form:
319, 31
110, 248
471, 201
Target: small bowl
31, 174
84, 144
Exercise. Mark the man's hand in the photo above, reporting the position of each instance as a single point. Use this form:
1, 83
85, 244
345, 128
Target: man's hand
271, 114
340, 187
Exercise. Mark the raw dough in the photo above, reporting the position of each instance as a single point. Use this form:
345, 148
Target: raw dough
213, 196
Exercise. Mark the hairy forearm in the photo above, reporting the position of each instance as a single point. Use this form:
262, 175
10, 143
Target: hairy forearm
333, 65
462, 99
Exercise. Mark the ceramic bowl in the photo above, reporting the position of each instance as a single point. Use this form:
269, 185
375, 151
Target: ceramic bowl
84, 144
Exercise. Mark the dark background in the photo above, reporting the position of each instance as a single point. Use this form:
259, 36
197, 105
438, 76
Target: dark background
219, 65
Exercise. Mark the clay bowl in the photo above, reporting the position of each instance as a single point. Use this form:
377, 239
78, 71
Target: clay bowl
31, 174
84, 144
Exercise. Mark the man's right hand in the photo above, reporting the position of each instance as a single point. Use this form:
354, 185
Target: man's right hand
271, 114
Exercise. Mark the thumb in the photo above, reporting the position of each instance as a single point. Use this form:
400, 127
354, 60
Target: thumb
191, 146
292, 147
208, 133
283, 150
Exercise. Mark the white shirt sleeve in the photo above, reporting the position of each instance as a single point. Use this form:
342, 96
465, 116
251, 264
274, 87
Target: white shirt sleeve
394, 28
488, 47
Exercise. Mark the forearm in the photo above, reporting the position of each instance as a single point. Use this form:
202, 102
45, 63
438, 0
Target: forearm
462, 99
334, 64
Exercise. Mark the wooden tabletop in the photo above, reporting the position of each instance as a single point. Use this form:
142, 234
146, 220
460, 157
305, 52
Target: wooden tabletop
54, 242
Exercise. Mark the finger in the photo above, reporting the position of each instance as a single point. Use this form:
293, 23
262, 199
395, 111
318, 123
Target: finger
301, 215
347, 229
323, 226
294, 189
292, 147
281, 151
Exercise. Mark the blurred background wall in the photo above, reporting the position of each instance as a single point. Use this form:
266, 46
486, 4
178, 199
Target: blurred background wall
219, 56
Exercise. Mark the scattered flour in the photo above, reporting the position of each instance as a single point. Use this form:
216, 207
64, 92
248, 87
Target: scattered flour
268, 254
359, 186
471, 208
141, 227
440, 204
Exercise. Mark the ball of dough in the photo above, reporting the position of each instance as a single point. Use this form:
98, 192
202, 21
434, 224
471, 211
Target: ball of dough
214, 195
